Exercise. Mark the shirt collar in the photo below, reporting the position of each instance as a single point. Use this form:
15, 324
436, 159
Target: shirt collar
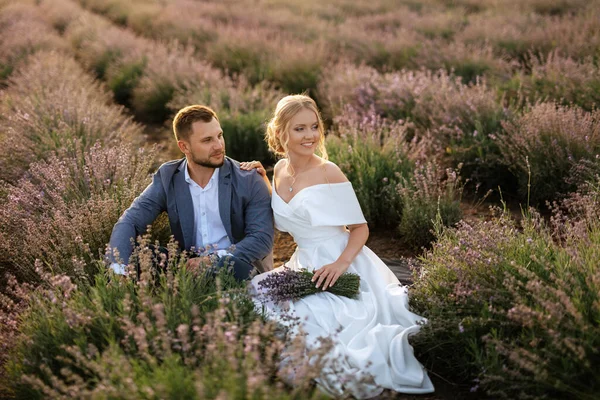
214, 179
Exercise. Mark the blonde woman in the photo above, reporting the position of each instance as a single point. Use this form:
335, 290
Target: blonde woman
314, 201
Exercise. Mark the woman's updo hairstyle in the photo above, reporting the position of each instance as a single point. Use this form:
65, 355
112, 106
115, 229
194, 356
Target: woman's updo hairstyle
286, 109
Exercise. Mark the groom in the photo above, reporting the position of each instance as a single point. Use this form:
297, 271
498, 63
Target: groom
211, 203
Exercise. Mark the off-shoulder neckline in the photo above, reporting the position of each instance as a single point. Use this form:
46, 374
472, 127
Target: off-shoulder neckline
303, 189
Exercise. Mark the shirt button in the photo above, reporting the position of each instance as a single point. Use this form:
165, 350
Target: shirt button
203, 213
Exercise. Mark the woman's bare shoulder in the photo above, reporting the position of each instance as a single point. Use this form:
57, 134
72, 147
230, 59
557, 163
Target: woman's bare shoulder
279, 166
333, 173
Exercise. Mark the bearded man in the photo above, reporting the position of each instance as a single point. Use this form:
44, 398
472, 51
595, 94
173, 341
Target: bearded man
214, 207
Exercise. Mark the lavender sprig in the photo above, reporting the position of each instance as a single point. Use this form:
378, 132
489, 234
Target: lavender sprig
291, 284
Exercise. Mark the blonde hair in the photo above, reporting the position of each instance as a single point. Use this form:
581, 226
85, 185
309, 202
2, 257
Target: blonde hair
286, 109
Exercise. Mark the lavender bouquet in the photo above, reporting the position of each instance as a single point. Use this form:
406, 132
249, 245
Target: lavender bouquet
291, 284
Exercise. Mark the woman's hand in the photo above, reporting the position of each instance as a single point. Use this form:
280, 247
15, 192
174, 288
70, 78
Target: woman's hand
329, 274
250, 165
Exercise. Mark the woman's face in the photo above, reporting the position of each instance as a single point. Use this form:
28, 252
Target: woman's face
303, 133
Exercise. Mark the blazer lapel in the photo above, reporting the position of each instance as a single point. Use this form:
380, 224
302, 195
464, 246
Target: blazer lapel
225, 197
185, 207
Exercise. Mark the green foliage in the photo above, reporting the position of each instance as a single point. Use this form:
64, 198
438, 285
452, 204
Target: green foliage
124, 80
244, 135
5, 71
392, 59
470, 70
151, 104
297, 75
101, 63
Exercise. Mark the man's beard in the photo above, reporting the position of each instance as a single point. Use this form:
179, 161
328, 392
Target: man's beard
207, 163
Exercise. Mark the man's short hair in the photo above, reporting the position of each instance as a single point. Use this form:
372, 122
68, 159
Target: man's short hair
182, 124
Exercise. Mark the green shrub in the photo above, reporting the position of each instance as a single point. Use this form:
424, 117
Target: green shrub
124, 79
374, 45
469, 62
170, 70
150, 103
296, 72
232, 52
244, 136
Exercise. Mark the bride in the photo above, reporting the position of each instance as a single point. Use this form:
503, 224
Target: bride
314, 201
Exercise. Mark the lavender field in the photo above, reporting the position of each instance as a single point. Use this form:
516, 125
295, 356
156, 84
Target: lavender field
430, 105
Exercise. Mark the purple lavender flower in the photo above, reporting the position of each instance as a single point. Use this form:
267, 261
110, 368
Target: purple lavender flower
291, 284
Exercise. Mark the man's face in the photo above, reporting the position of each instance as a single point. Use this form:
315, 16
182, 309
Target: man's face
205, 146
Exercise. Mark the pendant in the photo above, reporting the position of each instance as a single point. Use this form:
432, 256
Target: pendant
291, 189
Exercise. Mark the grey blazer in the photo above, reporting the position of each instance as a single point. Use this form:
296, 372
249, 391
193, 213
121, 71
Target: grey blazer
244, 206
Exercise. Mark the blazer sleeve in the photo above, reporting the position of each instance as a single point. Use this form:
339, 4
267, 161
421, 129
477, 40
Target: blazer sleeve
135, 220
258, 221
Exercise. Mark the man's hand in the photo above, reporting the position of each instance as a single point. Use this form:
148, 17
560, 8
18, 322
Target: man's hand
250, 165
329, 274
197, 264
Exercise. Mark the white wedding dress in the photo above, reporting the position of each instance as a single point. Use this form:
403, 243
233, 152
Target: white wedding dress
370, 333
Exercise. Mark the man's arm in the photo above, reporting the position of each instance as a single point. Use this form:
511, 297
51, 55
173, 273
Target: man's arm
134, 221
258, 221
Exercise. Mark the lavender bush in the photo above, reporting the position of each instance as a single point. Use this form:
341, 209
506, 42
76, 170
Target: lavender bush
50, 104
63, 212
462, 119
431, 194
547, 147
395, 186
511, 311
561, 79
470, 38
170, 69
516, 34
468, 61
14, 299
185, 335
143, 74
23, 32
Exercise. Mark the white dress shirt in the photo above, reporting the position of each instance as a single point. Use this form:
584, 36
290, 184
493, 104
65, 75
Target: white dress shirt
210, 231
